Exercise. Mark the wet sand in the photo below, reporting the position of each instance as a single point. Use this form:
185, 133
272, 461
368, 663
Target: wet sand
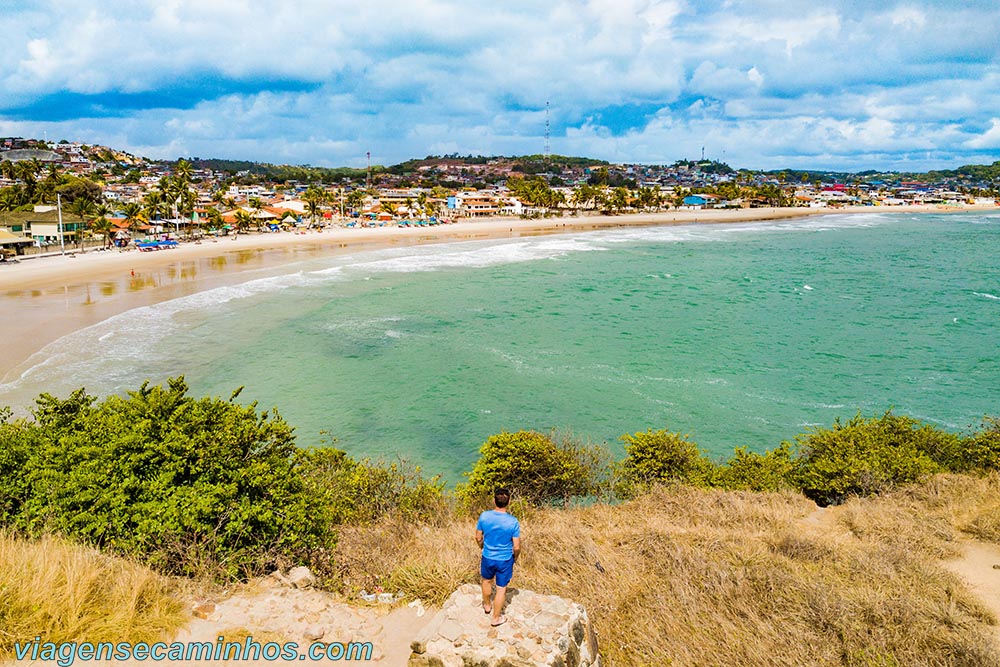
46, 298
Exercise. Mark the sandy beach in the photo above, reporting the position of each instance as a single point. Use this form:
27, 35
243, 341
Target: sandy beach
46, 298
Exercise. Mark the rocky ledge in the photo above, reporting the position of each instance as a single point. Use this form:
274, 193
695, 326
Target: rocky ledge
540, 630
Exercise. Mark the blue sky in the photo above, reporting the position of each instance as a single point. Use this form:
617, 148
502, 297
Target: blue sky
841, 84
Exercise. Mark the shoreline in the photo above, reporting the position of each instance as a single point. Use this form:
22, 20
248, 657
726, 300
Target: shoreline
53, 296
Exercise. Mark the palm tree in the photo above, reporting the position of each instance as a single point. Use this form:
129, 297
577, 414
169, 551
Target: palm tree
585, 194
9, 199
601, 199
183, 172
243, 221
256, 205
98, 222
355, 199
84, 209
26, 171
313, 209
772, 194
156, 205
215, 220
620, 199
314, 198
102, 225
185, 206
679, 195
134, 215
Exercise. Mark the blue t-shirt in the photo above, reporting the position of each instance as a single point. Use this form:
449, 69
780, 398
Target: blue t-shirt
499, 530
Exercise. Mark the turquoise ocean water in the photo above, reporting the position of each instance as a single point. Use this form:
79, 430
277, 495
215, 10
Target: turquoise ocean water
741, 334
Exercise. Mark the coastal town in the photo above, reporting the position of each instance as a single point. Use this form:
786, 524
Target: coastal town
55, 195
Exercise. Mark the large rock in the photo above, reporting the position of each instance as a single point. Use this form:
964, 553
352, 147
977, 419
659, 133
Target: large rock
540, 630
301, 577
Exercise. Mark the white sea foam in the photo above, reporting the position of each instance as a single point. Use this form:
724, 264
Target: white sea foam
733, 231
114, 352
358, 323
987, 295
478, 256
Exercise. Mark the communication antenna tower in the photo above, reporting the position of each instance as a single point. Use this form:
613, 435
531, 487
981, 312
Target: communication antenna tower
548, 148
368, 176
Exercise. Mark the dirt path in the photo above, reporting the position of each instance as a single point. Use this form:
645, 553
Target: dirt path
268, 611
979, 568
825, 521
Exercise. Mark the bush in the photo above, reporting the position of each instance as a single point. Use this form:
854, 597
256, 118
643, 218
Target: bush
535, 468
981, 451
184, 484
662, 456
365, 491
750, 471
16, 444
870, 456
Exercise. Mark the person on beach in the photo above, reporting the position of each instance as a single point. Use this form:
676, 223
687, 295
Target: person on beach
498, 534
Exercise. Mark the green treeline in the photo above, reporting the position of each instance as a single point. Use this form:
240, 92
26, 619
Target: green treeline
198, 486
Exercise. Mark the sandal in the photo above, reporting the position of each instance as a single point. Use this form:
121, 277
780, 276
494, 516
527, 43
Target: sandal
499, 621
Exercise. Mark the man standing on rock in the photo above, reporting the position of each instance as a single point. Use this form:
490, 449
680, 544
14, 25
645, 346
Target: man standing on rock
499, 536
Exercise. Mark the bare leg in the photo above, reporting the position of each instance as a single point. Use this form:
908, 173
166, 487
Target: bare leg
487, 592
498, 601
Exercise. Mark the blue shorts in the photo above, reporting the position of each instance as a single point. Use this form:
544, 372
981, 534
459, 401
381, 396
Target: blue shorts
503, 570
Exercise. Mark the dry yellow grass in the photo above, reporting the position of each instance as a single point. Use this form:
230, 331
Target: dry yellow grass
64, 592
696, 577
679, 576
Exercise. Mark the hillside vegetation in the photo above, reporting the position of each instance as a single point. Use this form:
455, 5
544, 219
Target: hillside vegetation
689, 576
60, 591
678, 557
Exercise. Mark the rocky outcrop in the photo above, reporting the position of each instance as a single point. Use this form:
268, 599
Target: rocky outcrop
540, 630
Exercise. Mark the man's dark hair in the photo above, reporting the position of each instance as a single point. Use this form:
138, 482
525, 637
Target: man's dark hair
501, 497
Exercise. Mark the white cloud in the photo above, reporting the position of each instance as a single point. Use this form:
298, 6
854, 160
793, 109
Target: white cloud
988, 139
322, 81
908, 17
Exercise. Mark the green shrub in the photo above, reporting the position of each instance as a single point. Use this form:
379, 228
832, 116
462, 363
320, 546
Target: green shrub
869, 456
17, 441
981, 451
186, 485
662, 456
365, 491
751, 471
535, 468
